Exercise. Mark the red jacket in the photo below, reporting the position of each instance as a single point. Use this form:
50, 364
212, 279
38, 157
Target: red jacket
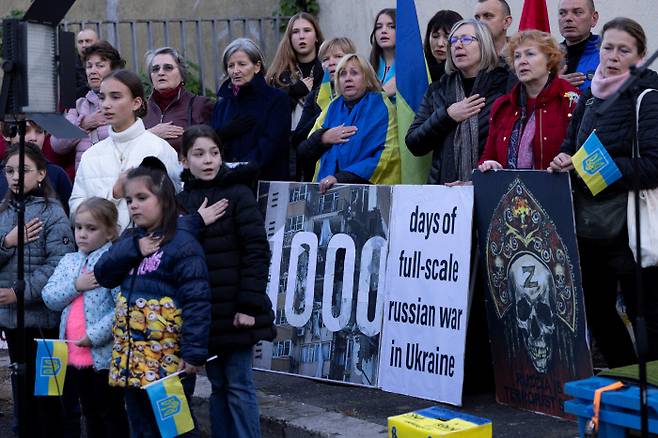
552, 116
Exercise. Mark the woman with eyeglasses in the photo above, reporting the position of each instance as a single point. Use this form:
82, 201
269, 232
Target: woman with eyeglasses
171, 108
529, 123
453, 119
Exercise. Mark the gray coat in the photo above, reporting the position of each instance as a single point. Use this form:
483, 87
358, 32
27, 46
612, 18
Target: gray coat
41, 258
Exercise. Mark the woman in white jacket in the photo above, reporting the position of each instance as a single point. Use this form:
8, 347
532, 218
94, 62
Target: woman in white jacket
104, 166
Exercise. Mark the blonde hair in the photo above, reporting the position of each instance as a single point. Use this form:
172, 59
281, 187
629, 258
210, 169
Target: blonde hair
544, 41
488, 55
344, 44
104, 212
372, 83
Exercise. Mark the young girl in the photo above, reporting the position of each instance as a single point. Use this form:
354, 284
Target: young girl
382, 54
163, 311
296, 68
47, 238
87, 312
237, 254
104, 166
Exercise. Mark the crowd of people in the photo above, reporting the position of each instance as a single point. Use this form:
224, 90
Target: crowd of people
145, 245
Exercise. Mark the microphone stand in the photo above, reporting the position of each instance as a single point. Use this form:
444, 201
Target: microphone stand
640, 321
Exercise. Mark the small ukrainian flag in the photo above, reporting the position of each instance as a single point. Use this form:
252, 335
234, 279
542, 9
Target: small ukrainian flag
594, 165
324, 92
170, 406
52, 359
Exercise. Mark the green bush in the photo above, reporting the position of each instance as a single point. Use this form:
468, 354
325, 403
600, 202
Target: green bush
288, 8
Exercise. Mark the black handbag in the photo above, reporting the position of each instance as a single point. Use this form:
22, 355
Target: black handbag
600, 217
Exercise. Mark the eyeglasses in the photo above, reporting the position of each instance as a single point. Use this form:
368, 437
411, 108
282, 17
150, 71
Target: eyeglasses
464, 39
166, 67
9, 171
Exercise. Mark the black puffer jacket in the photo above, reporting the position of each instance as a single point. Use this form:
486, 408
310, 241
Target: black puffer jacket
615, 129
238, 257
433, 130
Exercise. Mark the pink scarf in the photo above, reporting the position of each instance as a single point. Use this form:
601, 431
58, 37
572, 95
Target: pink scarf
603, 87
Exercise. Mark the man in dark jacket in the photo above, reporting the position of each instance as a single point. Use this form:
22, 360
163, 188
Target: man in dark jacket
576, 20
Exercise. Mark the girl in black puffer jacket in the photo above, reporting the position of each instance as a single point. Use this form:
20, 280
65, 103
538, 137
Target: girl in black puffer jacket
237, 254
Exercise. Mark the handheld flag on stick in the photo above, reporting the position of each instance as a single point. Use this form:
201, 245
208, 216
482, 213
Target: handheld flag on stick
324, 92
412, 82
534, 16
170, 407
52, 359
594, 165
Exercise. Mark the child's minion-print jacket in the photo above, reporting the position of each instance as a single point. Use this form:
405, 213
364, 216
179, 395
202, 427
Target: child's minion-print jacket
163, 311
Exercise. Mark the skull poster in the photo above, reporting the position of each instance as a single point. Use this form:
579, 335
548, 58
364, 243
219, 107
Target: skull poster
534, 299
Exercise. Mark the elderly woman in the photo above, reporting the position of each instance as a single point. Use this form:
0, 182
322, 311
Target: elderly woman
606, 260
355, 137
171, 108
453, 119
99, 61
529, 123
252, 118
331, 52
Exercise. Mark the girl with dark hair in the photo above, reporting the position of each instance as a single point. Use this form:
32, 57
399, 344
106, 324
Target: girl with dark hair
382, 54
163, 310
47, 238
99, 61
105, 165
238, 256
435, 45
87, 313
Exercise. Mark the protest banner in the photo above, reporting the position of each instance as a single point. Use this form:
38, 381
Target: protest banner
427, 280
328, 263
534, 299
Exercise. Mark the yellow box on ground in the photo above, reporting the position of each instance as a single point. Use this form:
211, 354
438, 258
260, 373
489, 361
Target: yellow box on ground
438, 422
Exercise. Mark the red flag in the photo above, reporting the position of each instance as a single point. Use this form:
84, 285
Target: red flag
534, 16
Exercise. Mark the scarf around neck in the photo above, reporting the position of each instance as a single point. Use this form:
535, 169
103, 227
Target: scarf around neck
164, 98
604, 87
466, 143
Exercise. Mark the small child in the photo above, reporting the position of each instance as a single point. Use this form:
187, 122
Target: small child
87, 313
47, 238
238, 257
163, 311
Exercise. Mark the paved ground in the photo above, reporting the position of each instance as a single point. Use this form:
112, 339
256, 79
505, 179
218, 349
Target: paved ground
293, 407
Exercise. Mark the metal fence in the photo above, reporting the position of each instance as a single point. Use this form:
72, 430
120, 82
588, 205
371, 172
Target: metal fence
201, 41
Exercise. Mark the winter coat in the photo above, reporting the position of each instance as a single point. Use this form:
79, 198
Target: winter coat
553, 110
238, 257
186, 110
588, 61
433, 130
163, 311
59, 293
41, 259
615, 128
267, 142
102, 163
295, 88
84, 107
58, 180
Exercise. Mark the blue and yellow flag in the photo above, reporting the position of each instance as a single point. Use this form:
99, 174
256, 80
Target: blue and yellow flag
594, 165
412, 82
52, 359
324, 92
170, 406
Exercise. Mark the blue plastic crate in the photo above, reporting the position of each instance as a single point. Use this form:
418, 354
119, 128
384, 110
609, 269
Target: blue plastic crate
620, 409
